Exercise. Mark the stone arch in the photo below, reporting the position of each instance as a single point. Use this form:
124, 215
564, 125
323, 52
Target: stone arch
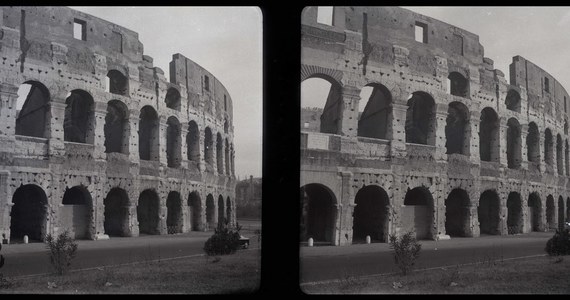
195, 204
208, 146
513, 144
565, 127
193, 142
371, 214
226, 125
559, 153
374, 120
420, 119
513, 100
173, 155
221, 211
489, 135
548, 147
232, 162
550, 213
210, 211
318, 212
77, 211
117, 127
514, 213
535, 212
458, 213
567, 219
148, 212
174, 213
533, 142
567, 157
417, 213
78, 124
560, 212
489, 212
317, 114
220, 153
172, 98
458, 84
29, 213
227, 156
32, 106
117, 205
457, 129
308, 71
148, 134
118, 83
229, 211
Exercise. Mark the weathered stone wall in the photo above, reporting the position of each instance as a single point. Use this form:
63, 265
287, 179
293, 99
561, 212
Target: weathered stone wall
38, 48
376, 46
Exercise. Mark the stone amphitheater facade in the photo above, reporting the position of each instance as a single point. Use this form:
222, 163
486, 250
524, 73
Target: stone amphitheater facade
96, 141
445, 146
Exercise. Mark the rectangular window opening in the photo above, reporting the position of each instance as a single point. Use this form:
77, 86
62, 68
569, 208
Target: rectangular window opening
325, 15
206, 82
565, 109
226, 103
79, 29
546, 85
457, 44
117, 40
421, 32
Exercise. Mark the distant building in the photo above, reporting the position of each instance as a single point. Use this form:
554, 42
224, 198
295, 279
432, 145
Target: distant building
248, 192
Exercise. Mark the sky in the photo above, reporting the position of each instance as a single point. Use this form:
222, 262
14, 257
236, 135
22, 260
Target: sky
539, 34
226, 41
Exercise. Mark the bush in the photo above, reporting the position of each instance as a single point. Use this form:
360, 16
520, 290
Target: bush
62, 251
225, 240
559, 244
406, 251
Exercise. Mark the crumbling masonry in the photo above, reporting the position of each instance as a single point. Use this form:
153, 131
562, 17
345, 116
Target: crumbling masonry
444, 146
95, 140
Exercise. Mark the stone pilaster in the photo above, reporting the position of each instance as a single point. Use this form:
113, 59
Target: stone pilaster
350, 97
99, 136
524, 147
439, 123
8, 100
183, 145
474, 123
397, 130
162, 132
502, 145
55, 127
133, 135
345, 207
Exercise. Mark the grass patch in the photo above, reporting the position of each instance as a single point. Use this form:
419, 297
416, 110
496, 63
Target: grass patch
237, 273
540, 275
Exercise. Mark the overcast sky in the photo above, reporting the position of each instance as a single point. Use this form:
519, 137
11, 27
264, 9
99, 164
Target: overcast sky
227, 41
539, 34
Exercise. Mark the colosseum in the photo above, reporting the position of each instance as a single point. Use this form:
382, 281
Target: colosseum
420, 133
95, 140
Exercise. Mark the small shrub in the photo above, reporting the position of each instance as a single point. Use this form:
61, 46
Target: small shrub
225, 240
406, 251
559, 244
62, 251
4, 283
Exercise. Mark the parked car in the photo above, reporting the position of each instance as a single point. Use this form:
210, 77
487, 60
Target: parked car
244, 242
566, 225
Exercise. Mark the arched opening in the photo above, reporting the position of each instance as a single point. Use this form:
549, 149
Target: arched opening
221, 211
78, 125
567, 219
559, 157
514, 213
560, 213
420, 119
172, 99
513, 101
193, 142
417, 213
489, 135
173, 143
232, 162
489, 211
374, 111
210, 211
535, 212
550, 213
513, 144
457, 129
116, 127
229, 210
567, 158
321, 104
76, 212
220, 153
318, 213
148, 134
29, 214
532, 142
208, 146
565, 127
548, 147
457, 214
458, 85
371, 215
226, 126
117, 83
227, 157
117, 212
174, 213
148, 212
32, 109
195, 205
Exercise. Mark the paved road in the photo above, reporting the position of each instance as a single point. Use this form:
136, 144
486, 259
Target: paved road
32, 258
329, 262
